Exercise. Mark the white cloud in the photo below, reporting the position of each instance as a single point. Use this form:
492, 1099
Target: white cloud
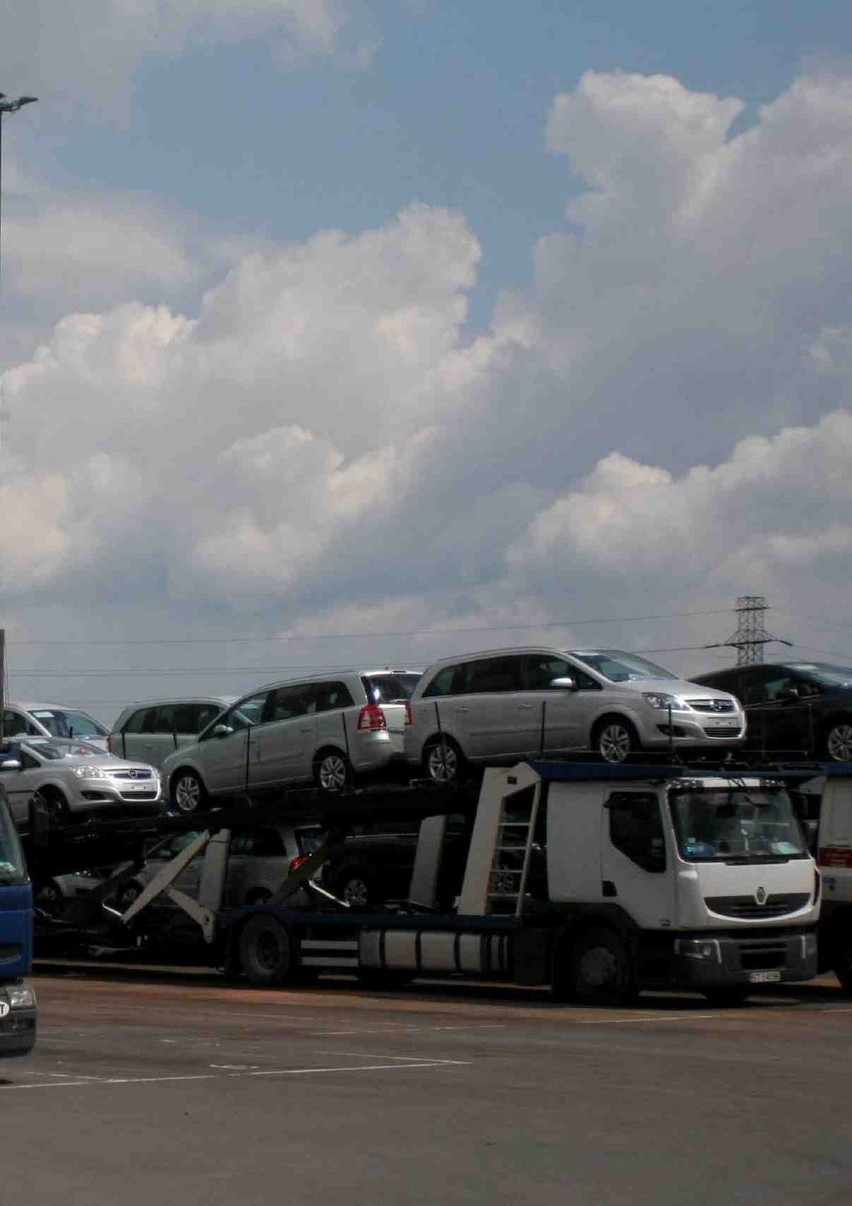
662, 420
87, 50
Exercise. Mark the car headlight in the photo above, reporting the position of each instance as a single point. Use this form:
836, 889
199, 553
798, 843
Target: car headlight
657, 699
89, 772
21, 996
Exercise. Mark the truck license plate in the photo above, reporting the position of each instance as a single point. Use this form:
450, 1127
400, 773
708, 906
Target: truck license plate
764, 977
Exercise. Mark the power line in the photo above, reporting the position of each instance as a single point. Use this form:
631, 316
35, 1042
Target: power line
352, 636
310, 667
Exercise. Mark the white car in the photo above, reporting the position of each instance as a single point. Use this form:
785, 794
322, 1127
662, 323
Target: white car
75, 780
497, 706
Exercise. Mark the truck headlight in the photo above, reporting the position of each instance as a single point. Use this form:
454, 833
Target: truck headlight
705, 949
21, 996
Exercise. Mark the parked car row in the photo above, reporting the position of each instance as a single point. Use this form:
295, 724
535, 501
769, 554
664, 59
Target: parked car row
490, 707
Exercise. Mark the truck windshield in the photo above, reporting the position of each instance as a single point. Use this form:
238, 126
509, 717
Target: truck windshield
736, 824
12, 866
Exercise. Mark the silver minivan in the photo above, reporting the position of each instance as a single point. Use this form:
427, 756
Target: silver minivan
328, 729
504, 704
153, 730
52, 720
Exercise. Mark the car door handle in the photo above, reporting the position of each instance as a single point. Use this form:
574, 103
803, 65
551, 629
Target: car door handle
525, 707
305, 728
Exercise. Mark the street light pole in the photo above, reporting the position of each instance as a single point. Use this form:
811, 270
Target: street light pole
8, 106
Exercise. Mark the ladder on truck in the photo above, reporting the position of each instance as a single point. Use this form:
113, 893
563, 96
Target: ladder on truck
502, 842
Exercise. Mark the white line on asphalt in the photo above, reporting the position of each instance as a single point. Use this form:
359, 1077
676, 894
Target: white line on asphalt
400, 1062
649, 1017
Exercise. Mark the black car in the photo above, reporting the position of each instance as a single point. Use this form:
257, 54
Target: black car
793, 709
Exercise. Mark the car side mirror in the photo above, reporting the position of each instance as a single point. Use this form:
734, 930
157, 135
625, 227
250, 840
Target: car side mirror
10, 764
566, 683
222, 730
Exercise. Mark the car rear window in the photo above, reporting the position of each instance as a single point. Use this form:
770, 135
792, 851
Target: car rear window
390, 688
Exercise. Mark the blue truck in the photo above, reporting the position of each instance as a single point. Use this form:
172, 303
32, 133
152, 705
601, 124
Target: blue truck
17, 998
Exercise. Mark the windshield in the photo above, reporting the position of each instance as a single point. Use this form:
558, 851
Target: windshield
736, 824
390, 688
823, 672
621, 667
13, 869
62, 723
54, 751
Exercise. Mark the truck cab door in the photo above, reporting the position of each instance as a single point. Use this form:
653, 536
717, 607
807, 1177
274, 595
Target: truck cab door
637, 874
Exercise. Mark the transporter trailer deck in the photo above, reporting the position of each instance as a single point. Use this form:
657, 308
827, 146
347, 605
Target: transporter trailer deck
597, 880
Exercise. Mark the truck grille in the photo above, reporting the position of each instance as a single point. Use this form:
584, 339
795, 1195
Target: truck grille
763, 956
711, 705
747, 907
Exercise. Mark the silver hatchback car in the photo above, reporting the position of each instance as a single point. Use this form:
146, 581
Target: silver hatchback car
75, 780
512, 703
328, 729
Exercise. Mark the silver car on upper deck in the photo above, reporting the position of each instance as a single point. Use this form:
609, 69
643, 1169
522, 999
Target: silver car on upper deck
504, 704
75, 780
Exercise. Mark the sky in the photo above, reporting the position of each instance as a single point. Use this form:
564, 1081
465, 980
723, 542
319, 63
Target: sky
364, 333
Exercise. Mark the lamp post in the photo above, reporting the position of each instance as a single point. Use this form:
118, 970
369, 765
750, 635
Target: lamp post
8, 106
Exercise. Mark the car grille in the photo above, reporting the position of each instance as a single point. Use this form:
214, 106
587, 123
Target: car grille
139, 795
724, 730
712, 705
141, 772
747, 907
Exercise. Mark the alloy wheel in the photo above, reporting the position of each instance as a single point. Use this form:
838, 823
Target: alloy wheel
839, 742
615, 743
442, 762
333, 772
187, 793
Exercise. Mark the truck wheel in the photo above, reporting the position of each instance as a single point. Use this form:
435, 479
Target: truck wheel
266, 951
600, 971
728, 996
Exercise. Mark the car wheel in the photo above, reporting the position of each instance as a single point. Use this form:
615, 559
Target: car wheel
266, 951
54, 804
443, 761
727, 996
126, 896
49, 898
615, 739
600, 970
838, 741
357, 891
187, 792
332, 771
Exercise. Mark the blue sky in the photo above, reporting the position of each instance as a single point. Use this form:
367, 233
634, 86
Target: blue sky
450, 110
470, 412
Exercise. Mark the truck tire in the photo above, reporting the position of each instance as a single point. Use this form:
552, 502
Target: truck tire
266, 951
600, 970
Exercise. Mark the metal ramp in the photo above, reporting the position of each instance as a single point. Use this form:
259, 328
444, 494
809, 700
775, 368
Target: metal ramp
501, 845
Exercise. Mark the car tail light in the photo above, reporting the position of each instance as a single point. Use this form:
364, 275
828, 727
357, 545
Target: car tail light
297, 862
408, 717
371, 717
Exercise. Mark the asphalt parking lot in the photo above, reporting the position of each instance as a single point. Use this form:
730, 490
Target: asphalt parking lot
180, 1089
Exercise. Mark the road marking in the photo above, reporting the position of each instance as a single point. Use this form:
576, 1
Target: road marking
400, 1062
648, 1017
